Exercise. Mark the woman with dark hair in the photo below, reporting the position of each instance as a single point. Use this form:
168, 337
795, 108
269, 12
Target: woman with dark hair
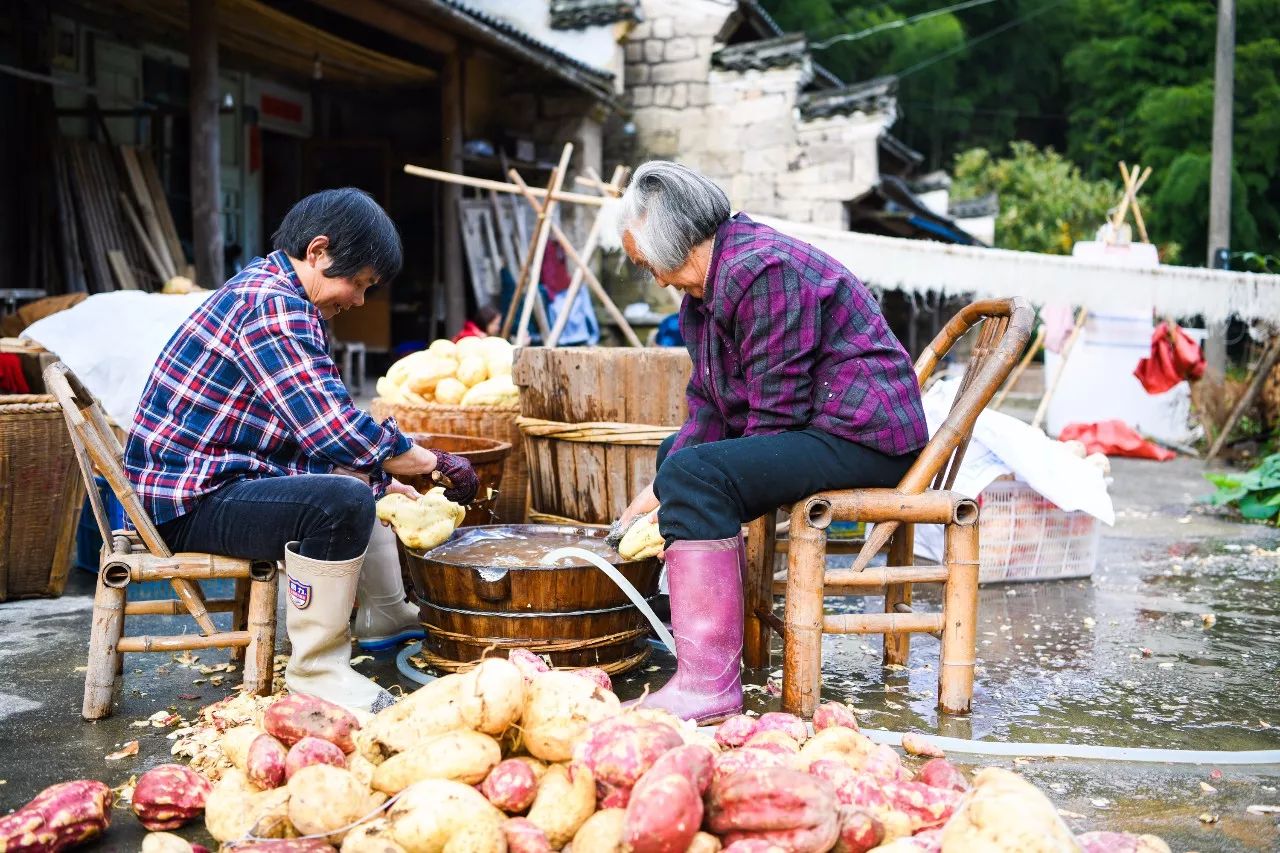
486, 323
798, 386
244, 426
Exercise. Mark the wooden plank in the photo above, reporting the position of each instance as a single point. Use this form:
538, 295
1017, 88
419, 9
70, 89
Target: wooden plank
499, 186
124, 275
146, 207
161, 204
157, 265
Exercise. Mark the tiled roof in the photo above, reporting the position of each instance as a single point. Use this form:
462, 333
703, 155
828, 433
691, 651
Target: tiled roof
577, 14
869, 96
779, 52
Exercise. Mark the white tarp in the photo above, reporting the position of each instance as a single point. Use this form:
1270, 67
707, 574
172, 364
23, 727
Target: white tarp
112, 340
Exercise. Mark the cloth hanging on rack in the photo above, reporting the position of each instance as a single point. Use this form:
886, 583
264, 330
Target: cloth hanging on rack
11, 379
555, 270
1115, 438
1058, 320
1175, 357
582, 327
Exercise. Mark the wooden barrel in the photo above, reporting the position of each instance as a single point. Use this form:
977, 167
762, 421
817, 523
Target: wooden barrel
592, 420
486, 455
482, 421
573, 614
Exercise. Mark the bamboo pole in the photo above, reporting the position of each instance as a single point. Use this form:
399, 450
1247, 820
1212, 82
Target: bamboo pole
802, 641
960, 620
161, 270
758, 591
513, 309
174, 607
260, 654
880, 576
543, 232
500, 186
1267, 362
1043, 409
597, 288
183, 643
145, 567
588, 251
1022, 366
881, 505
104, 651
882, 623
897, 647
240, 614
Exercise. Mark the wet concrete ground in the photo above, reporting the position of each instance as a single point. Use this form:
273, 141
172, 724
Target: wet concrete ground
1059, 662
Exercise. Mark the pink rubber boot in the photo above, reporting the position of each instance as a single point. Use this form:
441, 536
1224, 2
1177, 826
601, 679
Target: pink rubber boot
706, 617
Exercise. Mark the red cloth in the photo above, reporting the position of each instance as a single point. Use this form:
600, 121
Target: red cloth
555, 270
1115, 438
11, 379
1174, 357
470, 330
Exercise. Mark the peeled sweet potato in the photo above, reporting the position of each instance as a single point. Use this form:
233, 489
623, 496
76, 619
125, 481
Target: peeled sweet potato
602, 833
284, 845
830, 714
663, 815
773, 740
371, 837
167, 842
431, 710
859, 831
462, 756
704, 842
484, 836
523, 837
753, 845
728, 763
734, 731
511, 786
917, 744
323, 800
312, 750
795, 809
1005, 812
837, 743
234, 808
788, 724
566, 798
492, 696
236, 742
297, 716
529, 664
558, 709
940, 773
265, 765
596, 674
693, 761
1121, 842
619, 750
59, 817
429, 813
884, 763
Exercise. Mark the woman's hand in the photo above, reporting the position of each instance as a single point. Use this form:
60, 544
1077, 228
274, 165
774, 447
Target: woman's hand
644, 503
462, 481
395, 487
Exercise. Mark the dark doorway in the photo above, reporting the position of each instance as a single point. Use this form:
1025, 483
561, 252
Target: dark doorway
281, 179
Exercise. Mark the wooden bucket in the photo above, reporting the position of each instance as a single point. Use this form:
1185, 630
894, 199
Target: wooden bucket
481, 421
592, 420
486, 455
575, 615
40, 496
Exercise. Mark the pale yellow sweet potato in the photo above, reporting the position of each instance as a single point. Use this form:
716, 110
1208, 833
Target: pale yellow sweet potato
492, 696
431, 812
602, 832
566, 798
235, 744
324, 799
371, 837
558, 708
1004, 812
463, 756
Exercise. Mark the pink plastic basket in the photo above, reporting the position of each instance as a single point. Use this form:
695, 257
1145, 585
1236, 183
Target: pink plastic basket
1027, 538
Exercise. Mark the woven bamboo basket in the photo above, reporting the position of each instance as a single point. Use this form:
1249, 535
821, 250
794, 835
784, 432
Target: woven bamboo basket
481, 421
592, 420
40, 496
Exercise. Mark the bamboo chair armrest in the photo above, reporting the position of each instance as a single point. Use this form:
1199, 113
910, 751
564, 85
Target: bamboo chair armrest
884, 505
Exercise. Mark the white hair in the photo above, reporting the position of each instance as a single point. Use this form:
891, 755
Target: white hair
669, 209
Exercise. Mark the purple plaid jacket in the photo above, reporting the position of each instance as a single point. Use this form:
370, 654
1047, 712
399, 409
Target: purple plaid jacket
786, 338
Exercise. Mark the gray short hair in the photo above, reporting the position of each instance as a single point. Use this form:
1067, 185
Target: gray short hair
669, 209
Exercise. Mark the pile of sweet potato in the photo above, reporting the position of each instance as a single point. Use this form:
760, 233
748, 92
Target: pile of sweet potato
512, 757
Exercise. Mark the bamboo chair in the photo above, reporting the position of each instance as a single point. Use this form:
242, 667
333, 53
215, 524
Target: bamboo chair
141, 555
922, 497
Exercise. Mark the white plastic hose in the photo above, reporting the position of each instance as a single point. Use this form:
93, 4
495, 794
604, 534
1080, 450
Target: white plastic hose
623, 584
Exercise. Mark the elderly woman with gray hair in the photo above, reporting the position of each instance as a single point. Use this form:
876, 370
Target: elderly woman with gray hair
798, 386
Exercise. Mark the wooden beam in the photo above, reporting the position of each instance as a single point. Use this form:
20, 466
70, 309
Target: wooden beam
397, 22
206, 221
498, 186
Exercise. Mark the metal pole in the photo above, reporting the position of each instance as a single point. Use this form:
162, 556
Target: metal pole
1220, 173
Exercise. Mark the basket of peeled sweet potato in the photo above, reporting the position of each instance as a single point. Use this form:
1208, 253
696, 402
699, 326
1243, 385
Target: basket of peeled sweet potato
511, 756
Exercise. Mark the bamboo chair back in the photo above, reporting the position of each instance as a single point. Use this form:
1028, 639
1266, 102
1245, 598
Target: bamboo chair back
1006, 326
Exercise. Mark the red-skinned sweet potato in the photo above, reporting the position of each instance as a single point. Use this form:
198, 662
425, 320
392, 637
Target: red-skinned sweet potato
529, 664
612, 796
884, 763
596, 674
524, 837
664, 814
788, 724
733, 732
773, 800
1121, 842
859, 831
265, 766
169, 796
831, 714
283, 845
511, 786
728, 763
940, 773
808, 839
752, 845
773, 740
297, 716
693, 761
59, 817
312, 750
917, 744
619, 750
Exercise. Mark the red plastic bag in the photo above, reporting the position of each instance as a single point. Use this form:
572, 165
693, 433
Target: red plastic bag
1115, 438
1174, 357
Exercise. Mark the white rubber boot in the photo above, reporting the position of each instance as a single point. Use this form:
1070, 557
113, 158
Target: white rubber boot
384, 619
320, 595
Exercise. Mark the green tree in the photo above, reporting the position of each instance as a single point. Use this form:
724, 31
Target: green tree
1046, 204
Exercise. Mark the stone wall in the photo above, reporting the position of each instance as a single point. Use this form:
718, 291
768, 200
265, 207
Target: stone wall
741, 128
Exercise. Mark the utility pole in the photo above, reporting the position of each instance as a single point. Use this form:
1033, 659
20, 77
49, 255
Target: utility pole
1220, 171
